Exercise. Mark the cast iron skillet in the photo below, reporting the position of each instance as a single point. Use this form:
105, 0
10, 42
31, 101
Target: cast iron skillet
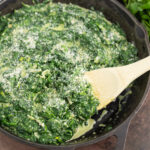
135, 33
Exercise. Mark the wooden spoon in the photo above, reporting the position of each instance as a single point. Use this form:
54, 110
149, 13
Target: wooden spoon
108, 83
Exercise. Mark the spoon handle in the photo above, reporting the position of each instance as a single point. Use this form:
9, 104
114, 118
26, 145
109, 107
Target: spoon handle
132, 71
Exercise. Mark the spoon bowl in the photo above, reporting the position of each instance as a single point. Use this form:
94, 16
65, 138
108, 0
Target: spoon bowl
108, 83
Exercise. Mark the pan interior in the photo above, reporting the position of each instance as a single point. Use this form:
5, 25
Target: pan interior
121, 109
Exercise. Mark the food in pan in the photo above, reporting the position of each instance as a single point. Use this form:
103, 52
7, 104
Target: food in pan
44, 51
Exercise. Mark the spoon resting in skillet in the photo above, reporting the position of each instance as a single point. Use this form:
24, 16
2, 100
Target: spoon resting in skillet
108, 83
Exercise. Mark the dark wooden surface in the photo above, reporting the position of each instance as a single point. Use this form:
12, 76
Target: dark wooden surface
138, 137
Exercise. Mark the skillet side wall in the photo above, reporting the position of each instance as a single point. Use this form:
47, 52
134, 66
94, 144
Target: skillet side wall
134, 33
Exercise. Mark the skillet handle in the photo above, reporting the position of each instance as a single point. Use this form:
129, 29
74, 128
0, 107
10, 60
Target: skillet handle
121, 134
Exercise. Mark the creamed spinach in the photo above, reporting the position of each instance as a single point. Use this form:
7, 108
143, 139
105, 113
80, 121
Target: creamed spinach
44, 51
